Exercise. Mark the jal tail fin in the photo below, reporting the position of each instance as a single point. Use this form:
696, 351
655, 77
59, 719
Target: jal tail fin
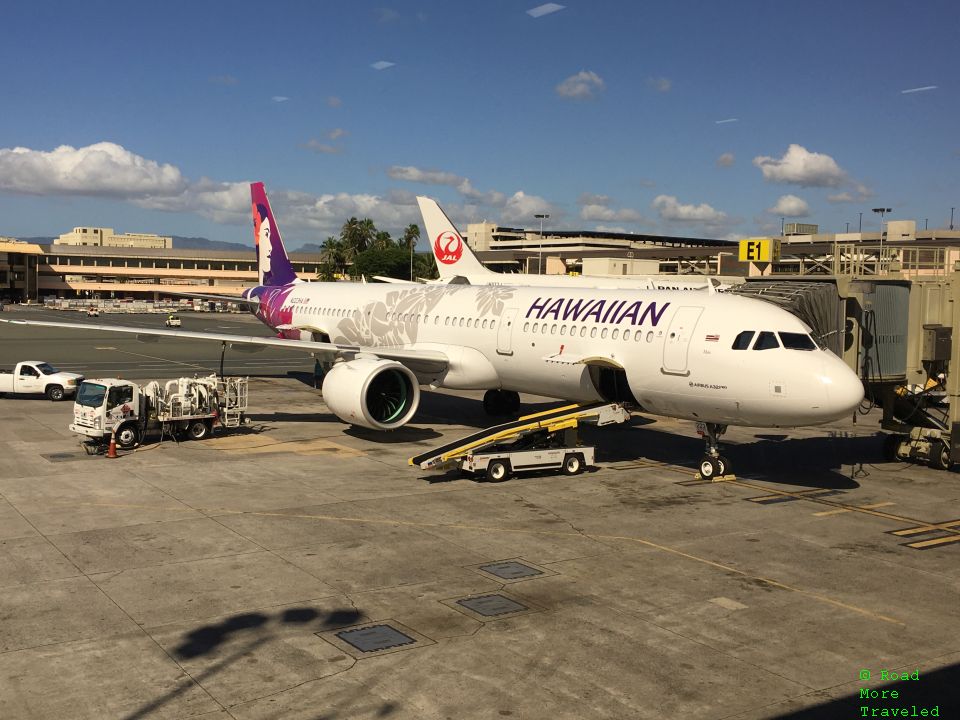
452, 254
273, 265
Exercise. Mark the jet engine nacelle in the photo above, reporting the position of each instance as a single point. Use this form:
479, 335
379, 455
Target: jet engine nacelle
372, 392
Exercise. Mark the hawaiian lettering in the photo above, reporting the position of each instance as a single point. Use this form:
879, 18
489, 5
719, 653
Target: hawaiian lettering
615, 312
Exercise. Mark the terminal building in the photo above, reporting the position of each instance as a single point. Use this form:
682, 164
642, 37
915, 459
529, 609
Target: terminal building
96, 262
33, 272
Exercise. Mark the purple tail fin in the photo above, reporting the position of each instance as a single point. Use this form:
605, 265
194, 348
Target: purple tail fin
273, 265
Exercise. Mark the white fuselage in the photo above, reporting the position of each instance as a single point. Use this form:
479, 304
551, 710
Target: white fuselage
676, 349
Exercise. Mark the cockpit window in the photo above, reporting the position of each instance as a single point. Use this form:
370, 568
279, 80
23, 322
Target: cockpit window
742, 341
797, 341
766, 341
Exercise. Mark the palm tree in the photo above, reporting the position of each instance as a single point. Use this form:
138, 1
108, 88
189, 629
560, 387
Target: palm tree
411, 234
357, 235
335, 259
382, 240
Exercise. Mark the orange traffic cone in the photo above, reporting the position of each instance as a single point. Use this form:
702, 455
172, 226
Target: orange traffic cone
112, 448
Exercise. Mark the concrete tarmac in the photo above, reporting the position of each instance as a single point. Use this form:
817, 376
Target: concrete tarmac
251, 575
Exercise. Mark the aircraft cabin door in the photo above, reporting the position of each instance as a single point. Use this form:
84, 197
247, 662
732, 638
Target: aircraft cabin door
505, 332
677, 343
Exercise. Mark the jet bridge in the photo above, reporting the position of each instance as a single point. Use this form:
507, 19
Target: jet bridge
553, 422
897, 325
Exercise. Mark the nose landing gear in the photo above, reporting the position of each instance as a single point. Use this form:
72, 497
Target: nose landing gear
713, 464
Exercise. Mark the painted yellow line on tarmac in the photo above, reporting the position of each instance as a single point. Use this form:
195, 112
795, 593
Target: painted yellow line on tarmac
949, 526
924, 544
555, 533
840, 511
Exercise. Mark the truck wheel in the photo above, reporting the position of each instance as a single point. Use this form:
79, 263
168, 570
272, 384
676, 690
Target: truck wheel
940, 456
498, 471
126, 437
54, 392
198, 430
573, 464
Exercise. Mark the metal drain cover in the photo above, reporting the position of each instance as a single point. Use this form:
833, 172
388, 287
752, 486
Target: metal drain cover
511, 570
492, 605
374, 638
61, 457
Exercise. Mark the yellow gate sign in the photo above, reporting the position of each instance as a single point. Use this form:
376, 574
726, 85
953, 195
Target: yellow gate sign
759, 250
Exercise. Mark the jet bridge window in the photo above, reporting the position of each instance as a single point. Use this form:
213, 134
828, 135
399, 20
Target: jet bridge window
766, 341
797, 341
742, 341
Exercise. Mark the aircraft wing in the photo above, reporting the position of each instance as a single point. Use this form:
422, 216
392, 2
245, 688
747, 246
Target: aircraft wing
422, 361
214, 298
562, 358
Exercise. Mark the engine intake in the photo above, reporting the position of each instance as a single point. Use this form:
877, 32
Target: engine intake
372, 392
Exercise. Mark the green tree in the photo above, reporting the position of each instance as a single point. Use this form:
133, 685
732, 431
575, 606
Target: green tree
334, 259
411, 235
382, 240
424, 266
393, 262
357, 236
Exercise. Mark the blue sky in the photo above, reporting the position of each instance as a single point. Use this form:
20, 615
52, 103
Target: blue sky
705, 119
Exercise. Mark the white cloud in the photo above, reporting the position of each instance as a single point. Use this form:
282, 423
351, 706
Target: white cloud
336, 133
660, 84
321, 147
101, 170
582, 86
545, 9
790, 206
861, 193
672, 210
799, 166
520, 208
382, 65
925, 88
727, 120
440, 177
279, 98
387, 15
597, 208
609, 228
726, 160
334, 101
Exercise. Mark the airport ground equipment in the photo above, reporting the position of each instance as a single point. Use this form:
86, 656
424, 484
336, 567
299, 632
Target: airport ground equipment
189, 407
893, 314
35, 377
541, 441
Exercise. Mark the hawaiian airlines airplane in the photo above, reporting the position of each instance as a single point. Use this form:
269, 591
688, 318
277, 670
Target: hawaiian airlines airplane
456, 260
708, 357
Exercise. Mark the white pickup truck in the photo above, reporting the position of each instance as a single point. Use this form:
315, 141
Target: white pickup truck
34, 377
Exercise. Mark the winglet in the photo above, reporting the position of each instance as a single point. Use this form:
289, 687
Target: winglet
273, 265
452, 254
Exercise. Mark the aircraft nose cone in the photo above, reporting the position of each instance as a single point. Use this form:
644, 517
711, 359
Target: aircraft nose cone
844, 389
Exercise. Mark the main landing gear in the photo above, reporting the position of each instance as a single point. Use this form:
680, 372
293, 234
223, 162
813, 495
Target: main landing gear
713, 464
499, 403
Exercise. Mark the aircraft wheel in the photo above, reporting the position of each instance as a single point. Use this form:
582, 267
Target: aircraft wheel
498, 471
493, 403
709, 468
725, 468
573, 464
511, 402
940, 456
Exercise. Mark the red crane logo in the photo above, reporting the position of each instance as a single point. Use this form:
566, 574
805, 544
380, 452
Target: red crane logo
448, 247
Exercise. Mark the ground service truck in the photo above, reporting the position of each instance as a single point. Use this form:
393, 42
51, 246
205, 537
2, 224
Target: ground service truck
188, 407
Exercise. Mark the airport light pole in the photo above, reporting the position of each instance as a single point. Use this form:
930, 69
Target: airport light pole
860, 225
881, 211
848, 227
542, 217
951, 217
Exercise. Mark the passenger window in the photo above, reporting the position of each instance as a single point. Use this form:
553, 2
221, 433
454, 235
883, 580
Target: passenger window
446, 320
649, 336
563, 329
484, 324
615, 334
526, 326
603, 334
461, 322
766, 341
493, 324
553, 329
626, 334
543, 329
742, 341
797, 341
119, 395
469, 322
536, 326
593, 332
583, 331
